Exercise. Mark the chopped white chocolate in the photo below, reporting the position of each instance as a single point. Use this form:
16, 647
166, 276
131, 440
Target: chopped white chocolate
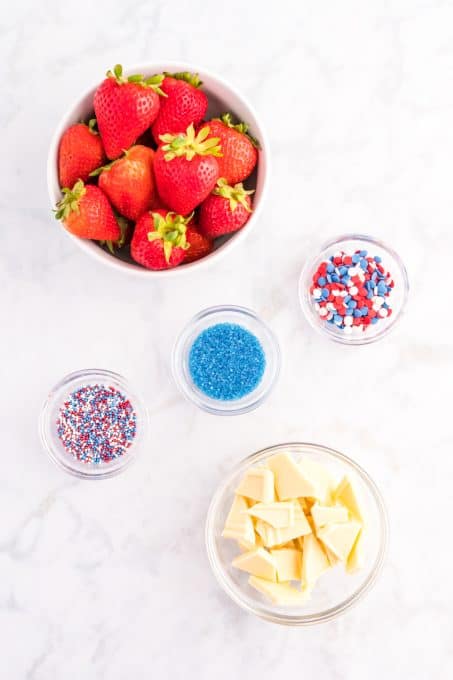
239, 524
258, 484
356, 558
325, 514
347, 494
288, 562
279, 593
290, 481
258, 563
278, 514
314, 561
340, 538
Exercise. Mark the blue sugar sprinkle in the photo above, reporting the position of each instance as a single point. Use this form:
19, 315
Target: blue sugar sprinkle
330, 268
226, 362
321, 281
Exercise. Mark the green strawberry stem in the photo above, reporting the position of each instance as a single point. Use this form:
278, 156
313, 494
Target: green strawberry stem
191, 78
189, 145
171, 229
236, 195
154, 82
70, 201
226, 119
92, 123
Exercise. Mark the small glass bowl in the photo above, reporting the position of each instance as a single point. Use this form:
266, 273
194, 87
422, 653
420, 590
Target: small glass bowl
49, 415
336, 591
397, 299
248, 320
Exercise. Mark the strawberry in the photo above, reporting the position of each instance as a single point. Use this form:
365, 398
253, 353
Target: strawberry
186, 169
125, 108
199, 245
185, 104
80, 152
125, 235
129, 181
159, 240
86, 212
226, 210
239, 150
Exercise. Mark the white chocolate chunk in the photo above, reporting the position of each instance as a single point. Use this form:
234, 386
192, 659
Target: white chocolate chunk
239, 524
314, 561
347, 494
288, 562
356, 558
279, 593
290, 481
258, 563
272, 537
324, 514
278, 515
258, 484
340, 538
319, 478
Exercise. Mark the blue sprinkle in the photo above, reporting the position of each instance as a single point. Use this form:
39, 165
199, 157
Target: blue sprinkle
325, 292
375, 319
343, 270
355, 258
226, 362
347, 298
330, 268
364, 311
321, 281
363, 253
364, 264
337, 318
357, 313
377, 259
335, 278
352, 304
329, 278
345, 280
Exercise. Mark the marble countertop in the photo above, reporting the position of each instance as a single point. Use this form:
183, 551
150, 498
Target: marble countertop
111, 580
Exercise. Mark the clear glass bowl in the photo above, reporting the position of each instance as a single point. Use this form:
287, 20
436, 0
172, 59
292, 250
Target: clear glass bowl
336, 591
397, 299
226, 314
50, 412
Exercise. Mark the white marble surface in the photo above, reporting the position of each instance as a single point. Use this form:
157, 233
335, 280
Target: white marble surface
110, 580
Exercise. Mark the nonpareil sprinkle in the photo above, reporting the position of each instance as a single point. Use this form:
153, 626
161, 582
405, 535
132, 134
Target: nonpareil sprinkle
96, 424
352, 290
226, 362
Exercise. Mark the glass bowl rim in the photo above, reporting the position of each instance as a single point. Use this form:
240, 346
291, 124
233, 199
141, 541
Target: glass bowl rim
323, 329
67, 380
177, 355
263, 611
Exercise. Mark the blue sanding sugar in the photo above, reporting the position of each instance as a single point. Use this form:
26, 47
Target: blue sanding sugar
226, 362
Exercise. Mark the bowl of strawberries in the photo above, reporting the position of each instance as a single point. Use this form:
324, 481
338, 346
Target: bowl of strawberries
158, 168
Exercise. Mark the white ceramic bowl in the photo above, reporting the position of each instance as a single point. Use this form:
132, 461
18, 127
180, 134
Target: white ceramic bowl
222, 97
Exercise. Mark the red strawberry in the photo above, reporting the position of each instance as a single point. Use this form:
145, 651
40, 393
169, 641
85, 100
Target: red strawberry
239, 150
199, 245
80, 152
226, 210
159, 240
186, 170
124, 108
129, 181
86, 212
185, 104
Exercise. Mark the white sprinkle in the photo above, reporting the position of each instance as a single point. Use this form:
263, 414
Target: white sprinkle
317, 293
335, 292
317, 306
329, 316
347, 330
337, 254
378, 300
343, 293
323, 311
352, 271
330, 306
353, 290
383, 312
348, 320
